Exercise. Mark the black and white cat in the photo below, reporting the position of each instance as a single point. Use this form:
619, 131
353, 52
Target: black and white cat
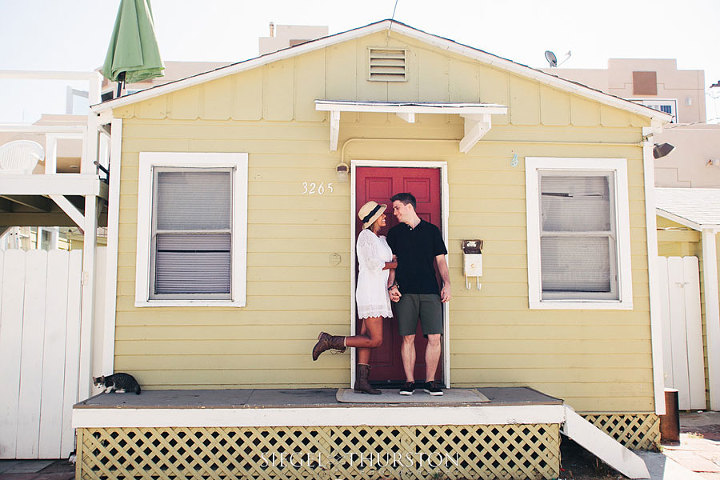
118, 382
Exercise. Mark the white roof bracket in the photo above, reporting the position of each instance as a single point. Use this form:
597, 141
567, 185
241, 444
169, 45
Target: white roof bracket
70, 209
476, 126
476, 115
334, 129
409, 117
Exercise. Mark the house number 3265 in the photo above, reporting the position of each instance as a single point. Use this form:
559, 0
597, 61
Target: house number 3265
315, 188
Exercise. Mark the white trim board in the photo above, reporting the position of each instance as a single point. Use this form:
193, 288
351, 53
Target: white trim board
108, 351
684, 221
656, 337
57, 184
391, 26
239, 163
712, 315
410, 107
320, 416
477, 117
622, 215
444, 214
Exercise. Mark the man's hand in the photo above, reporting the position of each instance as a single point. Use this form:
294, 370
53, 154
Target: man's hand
445, 275
395, 294
445, 293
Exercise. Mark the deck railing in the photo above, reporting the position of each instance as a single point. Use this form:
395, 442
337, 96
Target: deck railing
76, 128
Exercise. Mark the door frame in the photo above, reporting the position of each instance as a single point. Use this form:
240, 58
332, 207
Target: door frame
444, 214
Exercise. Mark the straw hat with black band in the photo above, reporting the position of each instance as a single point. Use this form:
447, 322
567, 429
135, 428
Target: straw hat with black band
370, 212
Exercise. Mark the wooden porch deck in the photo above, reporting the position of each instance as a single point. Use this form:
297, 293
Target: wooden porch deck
308, 433
302, 398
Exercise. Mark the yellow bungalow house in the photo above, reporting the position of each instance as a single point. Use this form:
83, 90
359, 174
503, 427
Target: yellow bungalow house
254, 172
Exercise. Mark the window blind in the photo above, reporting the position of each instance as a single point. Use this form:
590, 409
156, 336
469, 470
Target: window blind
192, 233
577, 238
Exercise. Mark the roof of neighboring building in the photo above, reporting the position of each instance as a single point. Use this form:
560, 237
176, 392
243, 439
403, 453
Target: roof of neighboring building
399, 27
697, 208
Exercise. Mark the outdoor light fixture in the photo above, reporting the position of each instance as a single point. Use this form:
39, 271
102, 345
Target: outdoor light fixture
662, 149
343, 170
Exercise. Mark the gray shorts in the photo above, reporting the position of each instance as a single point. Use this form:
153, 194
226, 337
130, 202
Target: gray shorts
427, 307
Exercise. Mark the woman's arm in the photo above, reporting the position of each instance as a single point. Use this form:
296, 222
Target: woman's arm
367, 253
393, 289
391, 274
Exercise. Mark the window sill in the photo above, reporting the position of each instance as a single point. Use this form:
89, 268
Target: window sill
190, 303
580, 305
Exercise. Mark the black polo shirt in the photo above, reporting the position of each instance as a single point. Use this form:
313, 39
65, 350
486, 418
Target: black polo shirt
416, 249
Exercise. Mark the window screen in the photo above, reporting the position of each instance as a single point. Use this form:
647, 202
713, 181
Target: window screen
192, 233
577, 236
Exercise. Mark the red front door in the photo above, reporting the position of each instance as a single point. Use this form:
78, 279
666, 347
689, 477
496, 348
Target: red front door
379, 184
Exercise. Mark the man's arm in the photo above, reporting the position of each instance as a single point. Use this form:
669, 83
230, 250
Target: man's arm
445, 275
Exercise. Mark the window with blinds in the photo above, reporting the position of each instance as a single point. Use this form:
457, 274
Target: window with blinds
578, 240
191, 238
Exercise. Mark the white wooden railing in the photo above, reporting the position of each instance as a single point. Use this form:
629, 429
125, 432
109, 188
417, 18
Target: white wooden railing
53, 133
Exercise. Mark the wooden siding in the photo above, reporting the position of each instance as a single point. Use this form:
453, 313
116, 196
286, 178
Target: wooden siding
597, 360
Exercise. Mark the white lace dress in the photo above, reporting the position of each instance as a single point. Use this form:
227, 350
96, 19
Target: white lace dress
371, 295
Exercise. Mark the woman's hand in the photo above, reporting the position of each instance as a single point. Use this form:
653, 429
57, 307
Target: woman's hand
394, 294
390, 266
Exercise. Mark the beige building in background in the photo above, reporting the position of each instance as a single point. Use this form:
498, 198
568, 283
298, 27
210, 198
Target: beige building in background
656, 83
659, 84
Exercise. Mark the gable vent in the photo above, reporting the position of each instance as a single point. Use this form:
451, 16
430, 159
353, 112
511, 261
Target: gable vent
387, 65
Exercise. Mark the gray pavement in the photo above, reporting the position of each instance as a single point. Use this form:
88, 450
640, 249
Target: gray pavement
36, 470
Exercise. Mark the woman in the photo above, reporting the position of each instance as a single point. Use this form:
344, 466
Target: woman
376, 274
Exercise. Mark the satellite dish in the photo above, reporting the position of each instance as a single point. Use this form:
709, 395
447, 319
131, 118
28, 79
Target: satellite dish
551, 58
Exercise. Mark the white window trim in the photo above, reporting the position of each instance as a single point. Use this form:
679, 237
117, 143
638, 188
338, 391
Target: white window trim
656, 102
149, 160
622, 214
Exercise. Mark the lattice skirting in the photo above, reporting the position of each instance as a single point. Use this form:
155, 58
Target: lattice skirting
357, 452
635, 431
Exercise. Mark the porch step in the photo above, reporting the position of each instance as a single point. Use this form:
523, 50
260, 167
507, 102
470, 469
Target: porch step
603, 446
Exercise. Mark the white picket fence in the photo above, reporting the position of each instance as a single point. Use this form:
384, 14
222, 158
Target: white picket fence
684, 365
40, 305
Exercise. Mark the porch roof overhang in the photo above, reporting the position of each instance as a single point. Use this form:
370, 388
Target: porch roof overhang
696, 208
28, 200
477, 116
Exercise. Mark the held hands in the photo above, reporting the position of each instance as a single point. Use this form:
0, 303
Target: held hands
394, 294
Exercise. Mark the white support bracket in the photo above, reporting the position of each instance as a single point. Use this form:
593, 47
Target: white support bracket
409, 117
477, 115
603, 445
476, 126
72, 212
334, 129
51, 143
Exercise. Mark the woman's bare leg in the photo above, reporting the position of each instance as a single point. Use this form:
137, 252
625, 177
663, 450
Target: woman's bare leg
370, 336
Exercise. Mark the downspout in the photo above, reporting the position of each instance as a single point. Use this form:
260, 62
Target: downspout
712, 314
652, 254
108, 353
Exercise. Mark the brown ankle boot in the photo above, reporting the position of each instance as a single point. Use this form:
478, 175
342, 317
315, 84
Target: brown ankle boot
327, 342
362, 385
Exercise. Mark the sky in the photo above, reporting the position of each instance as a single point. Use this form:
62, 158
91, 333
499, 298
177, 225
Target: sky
74, 34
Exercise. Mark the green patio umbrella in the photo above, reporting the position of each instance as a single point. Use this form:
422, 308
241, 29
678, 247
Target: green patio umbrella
133, 53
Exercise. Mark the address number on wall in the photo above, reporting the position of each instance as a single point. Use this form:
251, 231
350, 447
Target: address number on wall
316, 188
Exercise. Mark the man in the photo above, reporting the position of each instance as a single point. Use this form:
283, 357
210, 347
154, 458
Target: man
419, 247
